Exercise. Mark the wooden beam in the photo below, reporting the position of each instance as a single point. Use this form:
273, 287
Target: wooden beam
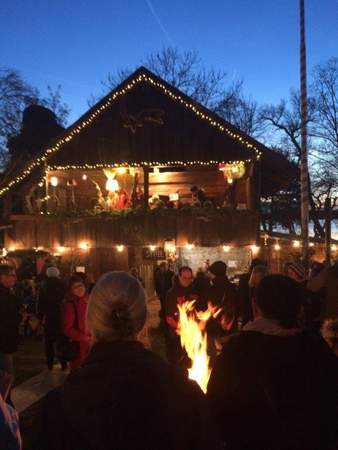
146, 186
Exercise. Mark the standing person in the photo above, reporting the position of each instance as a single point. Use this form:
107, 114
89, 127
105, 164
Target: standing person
10, 319
222, 294
74, 312
163, 282
181, 291
10, 438
257, 275
51, 296
275, 386
327, 280
244, 297
124, 397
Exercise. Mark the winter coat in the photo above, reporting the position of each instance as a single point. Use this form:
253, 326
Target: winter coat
328, 279
74, 325
275, 392
163, 282
9, 321
125, 397
177, 295
51, 296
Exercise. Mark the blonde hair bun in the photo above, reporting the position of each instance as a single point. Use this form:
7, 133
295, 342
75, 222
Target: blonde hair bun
117, 307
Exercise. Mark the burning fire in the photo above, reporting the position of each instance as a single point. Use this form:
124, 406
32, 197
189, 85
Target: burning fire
194, 340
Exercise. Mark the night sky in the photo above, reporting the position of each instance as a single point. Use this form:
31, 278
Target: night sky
76, 43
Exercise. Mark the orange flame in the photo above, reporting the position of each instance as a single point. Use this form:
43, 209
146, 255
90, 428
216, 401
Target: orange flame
194, 340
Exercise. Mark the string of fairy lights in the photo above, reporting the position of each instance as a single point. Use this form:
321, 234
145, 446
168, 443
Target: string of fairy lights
106, 103
169, 248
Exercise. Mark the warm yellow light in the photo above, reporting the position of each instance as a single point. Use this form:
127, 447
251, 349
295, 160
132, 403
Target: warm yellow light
254, 248
230, 180
152, 248
277, 247
296, 244
12, 248
60, 249
333, 247
112, 185
84, 177
3, 253
226, 248
120, 248
54, 181
311, 244
84, 245
121, 170
156, 170
189, 246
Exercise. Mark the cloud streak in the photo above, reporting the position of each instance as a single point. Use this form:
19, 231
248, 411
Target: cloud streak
158, 20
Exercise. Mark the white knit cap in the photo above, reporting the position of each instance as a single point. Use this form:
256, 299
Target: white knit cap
52, 272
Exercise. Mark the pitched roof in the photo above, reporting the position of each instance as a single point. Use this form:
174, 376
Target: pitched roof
243, 145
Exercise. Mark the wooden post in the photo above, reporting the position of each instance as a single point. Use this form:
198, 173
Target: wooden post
327, 211
46, 186
146, 187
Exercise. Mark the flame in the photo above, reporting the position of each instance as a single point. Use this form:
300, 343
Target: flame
194, 340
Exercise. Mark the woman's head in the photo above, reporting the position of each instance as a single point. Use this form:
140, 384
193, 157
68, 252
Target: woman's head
76, 286
117, 307
279, 298
257, 274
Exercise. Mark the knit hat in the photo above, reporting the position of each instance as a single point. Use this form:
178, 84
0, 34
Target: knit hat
52, 272
298, 269
218, 268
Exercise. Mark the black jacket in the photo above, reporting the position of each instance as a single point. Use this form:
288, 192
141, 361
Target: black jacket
125, 398
163, 282
177, 294
51, 296
275, 393
9, 321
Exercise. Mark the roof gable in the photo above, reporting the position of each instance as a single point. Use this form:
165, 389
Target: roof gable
242, 145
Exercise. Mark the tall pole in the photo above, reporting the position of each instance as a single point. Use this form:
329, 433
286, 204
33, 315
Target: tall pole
304, 173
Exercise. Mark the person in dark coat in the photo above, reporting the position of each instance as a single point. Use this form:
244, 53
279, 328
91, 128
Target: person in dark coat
50, 301
124, 397
275, 386
181, 291
163, 282
10, 319
245, 293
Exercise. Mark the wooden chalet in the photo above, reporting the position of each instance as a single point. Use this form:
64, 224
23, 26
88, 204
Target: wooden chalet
114, 189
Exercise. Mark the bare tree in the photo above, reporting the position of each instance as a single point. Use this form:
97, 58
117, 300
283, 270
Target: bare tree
285, 120
15, 96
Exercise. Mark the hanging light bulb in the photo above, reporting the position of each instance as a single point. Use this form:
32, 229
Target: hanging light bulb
84, 245
254, 248
296, 244
189, 246
277, 247
112, 185
54, 181
226, 248
152, 248
84, 177
120, 248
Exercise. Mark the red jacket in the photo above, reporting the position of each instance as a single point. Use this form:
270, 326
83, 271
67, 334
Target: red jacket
75, 327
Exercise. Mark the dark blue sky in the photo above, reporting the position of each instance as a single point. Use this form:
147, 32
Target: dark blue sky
77, 42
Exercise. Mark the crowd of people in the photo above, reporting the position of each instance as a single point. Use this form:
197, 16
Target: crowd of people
273, 347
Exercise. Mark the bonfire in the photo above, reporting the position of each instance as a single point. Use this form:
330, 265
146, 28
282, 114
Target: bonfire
193, 336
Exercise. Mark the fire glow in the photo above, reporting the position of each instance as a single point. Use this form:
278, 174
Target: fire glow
194, 340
